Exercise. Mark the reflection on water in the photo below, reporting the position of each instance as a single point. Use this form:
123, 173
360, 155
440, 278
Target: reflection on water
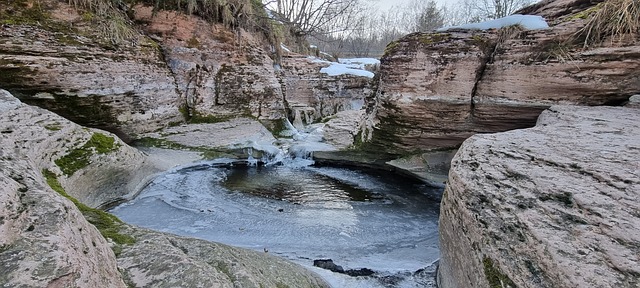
298, 186
383, 222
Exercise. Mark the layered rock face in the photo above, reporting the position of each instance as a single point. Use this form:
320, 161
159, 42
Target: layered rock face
311, 95
64, 66
437, 89
218, 71
191, 70
550, 206
224, 73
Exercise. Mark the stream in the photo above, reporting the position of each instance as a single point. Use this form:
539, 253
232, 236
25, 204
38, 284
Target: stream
359, 219
363, 220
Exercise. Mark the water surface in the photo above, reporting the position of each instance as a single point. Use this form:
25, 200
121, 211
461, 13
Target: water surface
379, 221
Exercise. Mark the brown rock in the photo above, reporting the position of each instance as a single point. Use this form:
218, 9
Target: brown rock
69, 69
224, 73
437, 89
549, 206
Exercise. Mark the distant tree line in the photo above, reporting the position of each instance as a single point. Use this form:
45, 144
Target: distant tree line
354, 28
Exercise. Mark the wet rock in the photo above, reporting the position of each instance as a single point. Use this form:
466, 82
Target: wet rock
634, 102
359, 272
549, 206
328, 264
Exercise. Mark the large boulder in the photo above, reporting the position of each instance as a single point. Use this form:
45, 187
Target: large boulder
550, 206
437, 89
94, 166
44, 240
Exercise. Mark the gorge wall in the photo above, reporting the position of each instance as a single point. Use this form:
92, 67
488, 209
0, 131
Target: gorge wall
437, 89
550, 206
172, 67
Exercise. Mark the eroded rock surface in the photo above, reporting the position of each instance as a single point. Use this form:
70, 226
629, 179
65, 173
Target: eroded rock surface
44, 240
437, 89
550, 206
163, 260
94, 166
64, 66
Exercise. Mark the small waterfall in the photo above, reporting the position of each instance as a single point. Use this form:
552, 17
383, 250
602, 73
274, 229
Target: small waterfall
296, 151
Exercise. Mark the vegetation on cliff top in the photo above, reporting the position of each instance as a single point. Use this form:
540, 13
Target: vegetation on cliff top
613, 20
108, 224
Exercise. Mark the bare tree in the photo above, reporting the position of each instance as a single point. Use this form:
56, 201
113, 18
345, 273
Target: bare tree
480, 10
317, 16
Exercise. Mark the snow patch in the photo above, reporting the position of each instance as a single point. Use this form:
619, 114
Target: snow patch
336, 69
530, 22
360, 63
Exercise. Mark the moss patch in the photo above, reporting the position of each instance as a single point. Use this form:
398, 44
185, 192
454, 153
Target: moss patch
197, 118
108, 224
276, 127
494, 275
207, 153
431, 38
79, 158
23, 12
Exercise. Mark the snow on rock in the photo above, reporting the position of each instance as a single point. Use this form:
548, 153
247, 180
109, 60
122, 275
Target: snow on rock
336, 69
531, 22
360, 63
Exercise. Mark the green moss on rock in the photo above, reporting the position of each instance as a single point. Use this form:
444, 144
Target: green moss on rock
108, 224
79, 158
494, 276
207, 152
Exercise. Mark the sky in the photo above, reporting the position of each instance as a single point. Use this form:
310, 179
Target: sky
386, 4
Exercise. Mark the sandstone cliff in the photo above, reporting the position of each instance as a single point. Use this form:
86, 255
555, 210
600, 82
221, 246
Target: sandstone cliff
170, 67
550, 206
51, 169
437, 89
53, 57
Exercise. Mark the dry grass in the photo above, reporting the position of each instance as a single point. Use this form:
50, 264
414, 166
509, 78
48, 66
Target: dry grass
112, 23
613, 20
